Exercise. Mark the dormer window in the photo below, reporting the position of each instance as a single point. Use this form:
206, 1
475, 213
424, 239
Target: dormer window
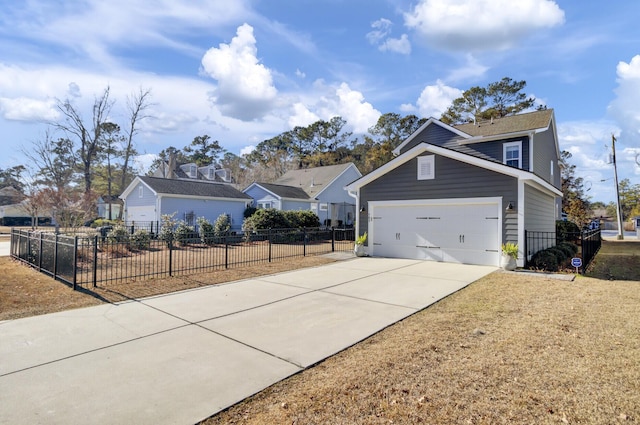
193, 171
512, 154
212, 174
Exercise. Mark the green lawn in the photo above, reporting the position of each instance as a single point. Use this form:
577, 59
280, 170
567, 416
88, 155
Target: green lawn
616, 260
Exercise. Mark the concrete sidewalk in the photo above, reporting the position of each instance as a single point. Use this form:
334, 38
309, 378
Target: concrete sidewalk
180, 358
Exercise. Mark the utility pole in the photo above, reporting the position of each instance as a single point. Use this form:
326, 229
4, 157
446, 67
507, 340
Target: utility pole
615, 177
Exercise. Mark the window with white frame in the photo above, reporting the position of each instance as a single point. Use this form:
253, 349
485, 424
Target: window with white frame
426, 167
512, 154
140, 191
264, 205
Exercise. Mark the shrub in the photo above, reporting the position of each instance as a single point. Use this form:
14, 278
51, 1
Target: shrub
141, 239
249, 211
167, 229
302, 218
99, 222
205, 230
184, 233
222, 225
119, 233
570, 247
566, 231
544, 260
267, 218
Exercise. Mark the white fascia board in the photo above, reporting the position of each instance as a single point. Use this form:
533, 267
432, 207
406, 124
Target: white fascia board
430, 121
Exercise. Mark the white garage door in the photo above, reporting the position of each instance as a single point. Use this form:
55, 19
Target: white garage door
461, 233
144, 213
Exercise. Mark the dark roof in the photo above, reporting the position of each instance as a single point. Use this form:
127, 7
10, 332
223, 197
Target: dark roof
506, 125
285, 191
193, 187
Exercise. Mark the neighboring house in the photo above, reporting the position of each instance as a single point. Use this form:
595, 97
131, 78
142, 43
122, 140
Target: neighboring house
146, 199
456, 193
103, 207
13, 212
191, 171
319, 189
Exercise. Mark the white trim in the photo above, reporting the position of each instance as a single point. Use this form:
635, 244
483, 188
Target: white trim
506, 146
521, 224
430, 121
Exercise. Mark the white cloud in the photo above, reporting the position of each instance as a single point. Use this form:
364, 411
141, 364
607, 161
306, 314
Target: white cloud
398, 45
471, 70
245, 86
478, 25
301, 116
26, 109
247, 150
435, 99
380, 37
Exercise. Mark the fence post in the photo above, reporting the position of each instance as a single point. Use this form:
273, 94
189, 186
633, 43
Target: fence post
170, 245
226, 250
55, 258
304, 242
95, 260
333, 239
75, 261
40, 254
269, 239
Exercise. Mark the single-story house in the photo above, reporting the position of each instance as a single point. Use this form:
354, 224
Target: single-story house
146, 199
319, 189
103, 206
457, 193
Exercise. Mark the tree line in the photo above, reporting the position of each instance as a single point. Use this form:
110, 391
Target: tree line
93, 156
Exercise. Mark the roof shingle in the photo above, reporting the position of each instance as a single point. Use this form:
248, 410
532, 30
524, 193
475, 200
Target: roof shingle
193, 188
506, 125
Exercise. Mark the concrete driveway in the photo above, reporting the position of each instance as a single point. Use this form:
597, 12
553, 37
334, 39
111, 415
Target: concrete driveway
5, 247
180, 358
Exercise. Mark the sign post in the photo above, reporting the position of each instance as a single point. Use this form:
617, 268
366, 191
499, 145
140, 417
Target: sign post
577, 263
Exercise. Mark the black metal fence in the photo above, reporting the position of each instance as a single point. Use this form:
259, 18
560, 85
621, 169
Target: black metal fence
588, 241
96, 259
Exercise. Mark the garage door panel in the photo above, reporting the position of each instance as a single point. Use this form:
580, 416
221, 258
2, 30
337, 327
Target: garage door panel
461, 232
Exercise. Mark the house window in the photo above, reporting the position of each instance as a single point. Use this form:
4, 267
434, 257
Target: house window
551, 167
512, 154
193, 171
140, 191
212, 174
264, 205
324, 207
426, 167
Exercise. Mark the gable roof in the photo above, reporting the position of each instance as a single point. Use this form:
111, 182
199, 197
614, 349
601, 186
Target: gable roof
283, 191
314, 180
423, 147
507, 125
188, 188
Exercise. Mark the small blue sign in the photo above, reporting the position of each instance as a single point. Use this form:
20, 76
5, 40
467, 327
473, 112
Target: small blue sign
576, 262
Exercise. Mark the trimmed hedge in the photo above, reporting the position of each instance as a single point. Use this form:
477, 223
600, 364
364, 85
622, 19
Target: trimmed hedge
554, 258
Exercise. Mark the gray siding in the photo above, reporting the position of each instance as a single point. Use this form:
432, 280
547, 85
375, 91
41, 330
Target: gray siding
544, 151
134, 199
433, 134
495, 150
295, 205
453, 179
539, 211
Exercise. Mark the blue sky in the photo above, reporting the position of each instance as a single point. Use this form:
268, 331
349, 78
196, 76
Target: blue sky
245, 70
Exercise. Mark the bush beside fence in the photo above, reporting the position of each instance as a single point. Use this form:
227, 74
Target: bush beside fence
541, 247
99, 259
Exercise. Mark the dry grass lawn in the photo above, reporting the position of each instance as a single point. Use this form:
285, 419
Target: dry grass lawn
510, 348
